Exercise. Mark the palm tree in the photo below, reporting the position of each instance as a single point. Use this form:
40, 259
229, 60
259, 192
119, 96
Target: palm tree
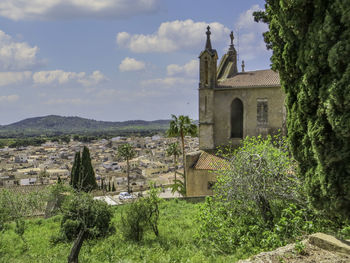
126, 151
174, 150
180, 127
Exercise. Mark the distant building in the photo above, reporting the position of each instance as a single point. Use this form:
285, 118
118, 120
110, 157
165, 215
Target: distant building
21, 158
27, 181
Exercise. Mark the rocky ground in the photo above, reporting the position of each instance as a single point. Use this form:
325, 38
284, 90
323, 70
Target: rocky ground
318, 248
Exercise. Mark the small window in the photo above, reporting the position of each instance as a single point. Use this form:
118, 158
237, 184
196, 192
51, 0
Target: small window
206, 72
205, 105
211, 185
262, 112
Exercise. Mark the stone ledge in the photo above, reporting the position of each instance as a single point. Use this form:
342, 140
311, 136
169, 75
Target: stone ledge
330, 243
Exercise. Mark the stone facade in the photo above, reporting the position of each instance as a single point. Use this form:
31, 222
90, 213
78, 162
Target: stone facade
232, 105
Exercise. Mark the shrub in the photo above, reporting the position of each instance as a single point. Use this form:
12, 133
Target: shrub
261, 172
258, 201
80, 211
141, 215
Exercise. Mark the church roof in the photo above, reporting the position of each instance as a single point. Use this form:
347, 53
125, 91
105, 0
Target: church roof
258, 78
207, 161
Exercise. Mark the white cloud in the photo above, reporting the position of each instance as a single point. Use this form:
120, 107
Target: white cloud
172, 36
63, 9
16, 55
94, 79
189, 69
9, 78
131, 64
167, 82
63, 77
76, 101
251, 44
9, 98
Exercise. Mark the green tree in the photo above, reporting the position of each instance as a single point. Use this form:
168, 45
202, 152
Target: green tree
87, 175
127, 152
82, 174
141, 216
310, 41
113, 187
260, 172
75, 172
84, 218
174, 150
180, 127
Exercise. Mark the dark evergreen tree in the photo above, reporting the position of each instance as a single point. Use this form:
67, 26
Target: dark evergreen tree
311, 51
74, 178
113, 187
82, 174
109, 186
87, 180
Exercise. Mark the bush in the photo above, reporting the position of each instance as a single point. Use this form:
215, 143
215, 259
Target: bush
141, 215
260, 173
258, 201
80, 211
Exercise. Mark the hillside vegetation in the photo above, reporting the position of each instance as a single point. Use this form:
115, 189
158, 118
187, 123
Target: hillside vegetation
58, 125
177, 241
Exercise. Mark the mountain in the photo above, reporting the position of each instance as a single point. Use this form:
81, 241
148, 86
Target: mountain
56, 125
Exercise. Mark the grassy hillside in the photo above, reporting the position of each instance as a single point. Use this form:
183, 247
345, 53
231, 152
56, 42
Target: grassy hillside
58, 125
177, 241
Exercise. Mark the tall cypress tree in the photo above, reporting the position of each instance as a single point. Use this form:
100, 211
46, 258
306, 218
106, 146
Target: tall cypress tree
87, 178
75, 173
311, 50
82, 174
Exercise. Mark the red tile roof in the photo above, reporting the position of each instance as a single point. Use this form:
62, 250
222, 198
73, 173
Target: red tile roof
259, 78
208, 161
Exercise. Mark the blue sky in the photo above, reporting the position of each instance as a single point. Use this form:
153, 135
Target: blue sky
116, 59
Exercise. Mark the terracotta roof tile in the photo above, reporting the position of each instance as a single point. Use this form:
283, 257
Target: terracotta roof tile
259, 78
208, 161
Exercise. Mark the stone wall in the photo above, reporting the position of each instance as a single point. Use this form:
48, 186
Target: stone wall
197, 180
249, 96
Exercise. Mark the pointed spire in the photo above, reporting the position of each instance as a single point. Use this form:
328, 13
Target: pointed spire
208, 44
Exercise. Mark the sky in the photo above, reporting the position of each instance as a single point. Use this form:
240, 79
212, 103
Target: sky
116, 60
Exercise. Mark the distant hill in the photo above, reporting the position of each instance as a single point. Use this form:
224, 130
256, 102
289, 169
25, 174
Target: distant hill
57, 125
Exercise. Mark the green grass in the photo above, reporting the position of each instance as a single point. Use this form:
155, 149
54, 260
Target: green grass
177, 241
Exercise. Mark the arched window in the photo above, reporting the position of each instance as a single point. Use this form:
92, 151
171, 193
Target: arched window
206, 72
237, 118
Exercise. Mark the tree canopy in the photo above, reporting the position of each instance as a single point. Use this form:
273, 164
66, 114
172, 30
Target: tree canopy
82, 174
310, 41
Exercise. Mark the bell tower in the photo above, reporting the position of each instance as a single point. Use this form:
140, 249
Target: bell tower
207, 83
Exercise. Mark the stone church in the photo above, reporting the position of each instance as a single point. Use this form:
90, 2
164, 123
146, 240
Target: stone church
232, 105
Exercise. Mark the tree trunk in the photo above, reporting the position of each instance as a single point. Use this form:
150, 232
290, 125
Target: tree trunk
175, 162
78, 242
128, 171
183, 156
265, 210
